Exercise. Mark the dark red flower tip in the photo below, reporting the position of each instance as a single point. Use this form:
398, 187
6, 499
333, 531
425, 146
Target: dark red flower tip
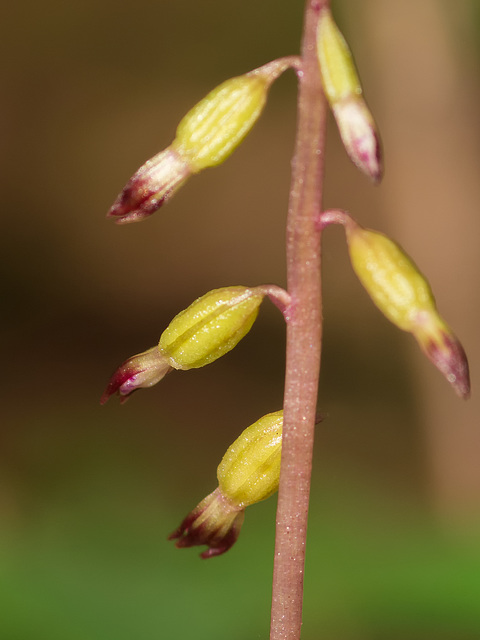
152, 185
141, 371
215, 522
118, 381
135, 203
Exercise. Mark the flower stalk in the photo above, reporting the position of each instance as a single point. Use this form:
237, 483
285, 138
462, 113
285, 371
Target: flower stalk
304, 325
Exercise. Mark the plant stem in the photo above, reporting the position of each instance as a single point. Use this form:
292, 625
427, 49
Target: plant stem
304, 324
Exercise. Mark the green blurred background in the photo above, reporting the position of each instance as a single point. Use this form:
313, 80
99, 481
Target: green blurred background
88, 494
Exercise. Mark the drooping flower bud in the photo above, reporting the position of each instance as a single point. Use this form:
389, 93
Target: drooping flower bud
138, 372
344, 94
248, 473
404, 296
205, 137
210, 327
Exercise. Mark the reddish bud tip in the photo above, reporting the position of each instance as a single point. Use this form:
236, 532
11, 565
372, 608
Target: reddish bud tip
448, 355
140, 371
152, 185
359, 136
215, 522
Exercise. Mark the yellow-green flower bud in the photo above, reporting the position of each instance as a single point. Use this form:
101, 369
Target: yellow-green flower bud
249, 472
404, 296
210, 327
250, 469
205, 137
344, 94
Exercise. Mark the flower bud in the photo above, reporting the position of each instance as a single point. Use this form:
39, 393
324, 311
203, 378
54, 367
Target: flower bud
249, 472
404, 296
140, 371
205, 137
210, 327
344, 94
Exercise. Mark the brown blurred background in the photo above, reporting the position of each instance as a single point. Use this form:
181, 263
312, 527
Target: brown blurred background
88, 494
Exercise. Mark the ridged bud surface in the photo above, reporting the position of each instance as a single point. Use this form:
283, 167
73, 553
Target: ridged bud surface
250, 469
391, 279
215, 126
210, 327
209, 133
339, 75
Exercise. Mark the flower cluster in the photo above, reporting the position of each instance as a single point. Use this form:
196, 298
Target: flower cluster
216, 322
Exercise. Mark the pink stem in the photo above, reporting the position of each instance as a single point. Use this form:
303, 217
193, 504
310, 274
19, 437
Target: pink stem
303, 339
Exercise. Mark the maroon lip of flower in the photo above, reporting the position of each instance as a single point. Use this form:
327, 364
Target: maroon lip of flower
122, 379
215, 522
141, 371
136, 202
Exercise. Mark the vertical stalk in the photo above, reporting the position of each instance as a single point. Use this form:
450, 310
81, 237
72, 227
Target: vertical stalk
304, 326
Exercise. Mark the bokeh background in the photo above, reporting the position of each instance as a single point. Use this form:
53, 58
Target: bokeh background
88, 494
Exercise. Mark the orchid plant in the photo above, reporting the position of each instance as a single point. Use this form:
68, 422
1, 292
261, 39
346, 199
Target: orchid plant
276, 451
